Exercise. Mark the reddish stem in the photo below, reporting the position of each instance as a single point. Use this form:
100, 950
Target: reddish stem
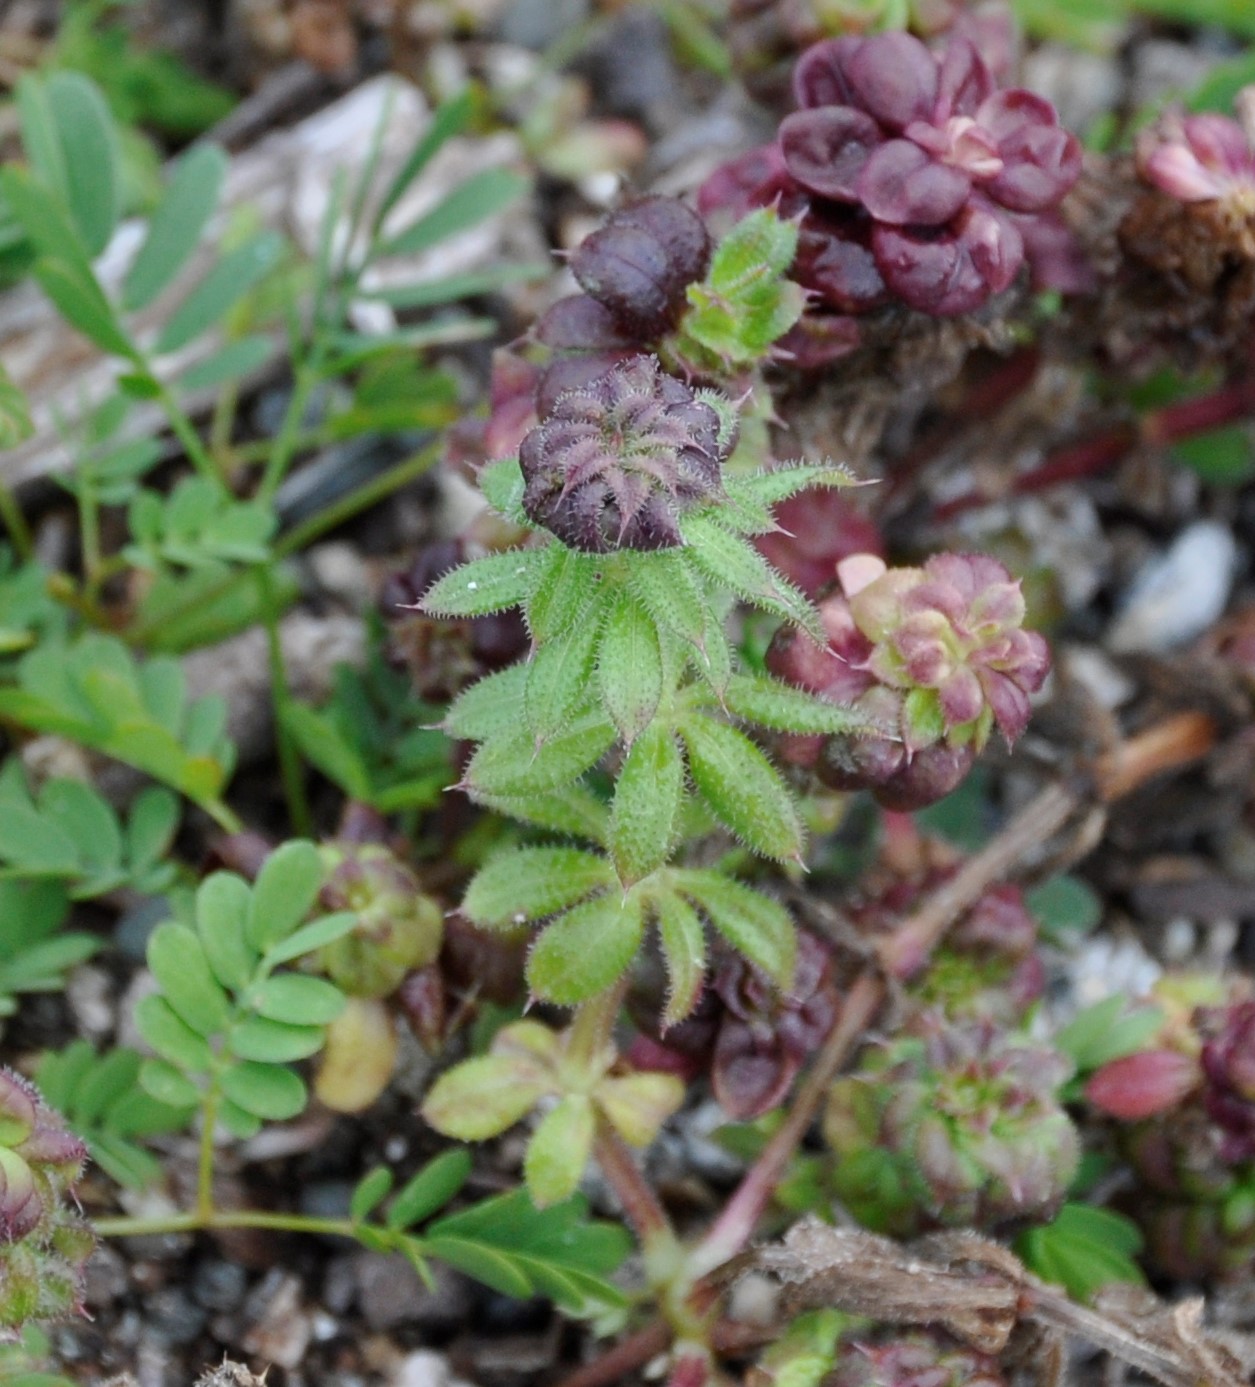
1158, 427
640, 1205
625, 1357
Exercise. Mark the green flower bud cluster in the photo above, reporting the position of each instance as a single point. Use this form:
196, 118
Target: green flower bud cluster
954, 1124
399, 928
44, 1245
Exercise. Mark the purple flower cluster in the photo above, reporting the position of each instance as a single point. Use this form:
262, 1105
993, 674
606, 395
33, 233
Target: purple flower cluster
915, 177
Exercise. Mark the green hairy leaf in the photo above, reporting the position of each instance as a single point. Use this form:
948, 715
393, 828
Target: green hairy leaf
742, 787
512, 764
683, 941
483, 586
587, 949
630, 668
527, 884
647, 799
559, 1150
730, 562
754, 924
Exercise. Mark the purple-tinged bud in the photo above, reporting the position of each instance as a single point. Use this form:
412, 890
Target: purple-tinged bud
1143, 1085
914, 1358
20, 1205
639, 264
764, 1035
934, 656
19, 1108
614, 464
44, 1244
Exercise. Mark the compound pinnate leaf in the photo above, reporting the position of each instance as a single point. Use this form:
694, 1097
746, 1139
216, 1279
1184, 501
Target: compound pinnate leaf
297, 1000
556, 1252
284, 893
177, 960
742, 787
629, 668
559, 1150
274, 1042
171, 1037
647, 799
176, 225
265, 1090
369, 1192
222, 902
530, 883
229, 280
587, 949
312, 937
754, 924
169, 1085
429, 1189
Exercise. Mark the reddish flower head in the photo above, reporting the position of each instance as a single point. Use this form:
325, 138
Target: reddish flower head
918, 179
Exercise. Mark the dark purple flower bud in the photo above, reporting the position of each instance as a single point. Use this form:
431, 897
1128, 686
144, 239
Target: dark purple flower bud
1228, 1061
614, 463
765, 1036
580, 323
912, 167
639, 264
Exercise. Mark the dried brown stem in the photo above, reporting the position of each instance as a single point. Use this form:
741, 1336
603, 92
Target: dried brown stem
908, 948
